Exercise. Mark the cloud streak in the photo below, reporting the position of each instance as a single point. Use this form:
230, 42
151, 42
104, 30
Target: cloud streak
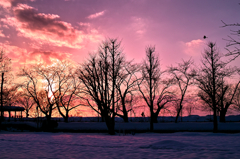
138, 26
96, 15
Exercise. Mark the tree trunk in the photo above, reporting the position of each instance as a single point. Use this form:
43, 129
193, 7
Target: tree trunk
151, 120
2, 112
110, 125
27, 114
178, 113
125, 113
155, 117
66, 117
223, 115
125, 117
215, 124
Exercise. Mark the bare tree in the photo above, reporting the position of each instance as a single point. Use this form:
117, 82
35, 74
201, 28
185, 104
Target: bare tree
10, 94
66, 89
232, 41
5, 67
183, 76
209, 79
38, 84
126, 86
236, 100
26, 101
99, 76
225, 97
152, 88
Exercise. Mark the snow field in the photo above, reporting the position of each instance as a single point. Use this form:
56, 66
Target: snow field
144, 145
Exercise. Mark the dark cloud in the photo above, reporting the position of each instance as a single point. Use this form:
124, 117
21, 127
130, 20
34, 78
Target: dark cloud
46, 28
49, 23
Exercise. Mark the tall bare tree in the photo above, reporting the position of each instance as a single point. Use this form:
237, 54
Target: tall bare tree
152, 88
99, 76
183, 76
209, 79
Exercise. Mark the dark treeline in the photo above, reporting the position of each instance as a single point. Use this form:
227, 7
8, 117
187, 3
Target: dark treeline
113, 86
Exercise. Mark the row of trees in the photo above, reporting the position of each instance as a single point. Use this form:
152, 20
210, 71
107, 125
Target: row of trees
111, 85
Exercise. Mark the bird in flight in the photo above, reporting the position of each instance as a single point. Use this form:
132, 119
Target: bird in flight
204, 37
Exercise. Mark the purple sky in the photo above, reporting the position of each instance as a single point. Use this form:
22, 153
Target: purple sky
43, 30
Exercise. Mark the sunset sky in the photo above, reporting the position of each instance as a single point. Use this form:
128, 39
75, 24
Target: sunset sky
41, 30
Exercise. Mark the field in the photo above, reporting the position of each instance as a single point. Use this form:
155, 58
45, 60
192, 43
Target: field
132, 140
101, 145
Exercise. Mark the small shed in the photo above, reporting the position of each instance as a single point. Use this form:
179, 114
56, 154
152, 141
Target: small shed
10, 109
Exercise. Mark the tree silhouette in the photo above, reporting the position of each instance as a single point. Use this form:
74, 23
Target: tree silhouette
5, 67
225, 98
26, 101
236, 100
38, 84
99, 75
153, 89
67, 88
232, 41
209, 78
183, 76
126, 87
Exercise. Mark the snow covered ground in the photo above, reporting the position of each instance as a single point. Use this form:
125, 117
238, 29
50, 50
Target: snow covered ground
141, 145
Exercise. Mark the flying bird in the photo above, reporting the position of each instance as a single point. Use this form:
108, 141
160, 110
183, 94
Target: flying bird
204, 37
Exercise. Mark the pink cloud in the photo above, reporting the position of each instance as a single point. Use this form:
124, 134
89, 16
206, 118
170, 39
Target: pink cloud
92, 16
83, 24
5, 3
47, 28
9, 3
193, 47
1, 34
139, 26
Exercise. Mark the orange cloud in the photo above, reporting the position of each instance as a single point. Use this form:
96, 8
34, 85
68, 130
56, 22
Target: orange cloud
92, 16
46, 57
20, 56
